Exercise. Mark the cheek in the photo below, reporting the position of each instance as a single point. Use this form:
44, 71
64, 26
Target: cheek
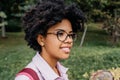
52, 46
52, 43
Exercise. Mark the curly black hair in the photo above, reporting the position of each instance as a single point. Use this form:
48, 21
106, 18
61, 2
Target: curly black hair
46, 14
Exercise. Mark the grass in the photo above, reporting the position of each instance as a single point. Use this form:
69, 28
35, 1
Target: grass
13, 55
96, 53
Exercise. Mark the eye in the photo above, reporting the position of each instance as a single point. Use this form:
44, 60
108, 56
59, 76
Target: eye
60, 33
72, 35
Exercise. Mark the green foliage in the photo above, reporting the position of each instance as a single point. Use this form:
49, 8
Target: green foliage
97, 9
96, 53
12, 7
12, 57
98, 15
86, 60
3, 23
13, 26
3, 15
16, 9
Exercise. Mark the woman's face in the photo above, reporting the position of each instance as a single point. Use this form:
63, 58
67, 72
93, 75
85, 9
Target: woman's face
56, 44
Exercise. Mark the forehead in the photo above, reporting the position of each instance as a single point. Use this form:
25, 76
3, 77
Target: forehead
65, 25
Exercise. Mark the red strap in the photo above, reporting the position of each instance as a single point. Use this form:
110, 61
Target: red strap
31, 72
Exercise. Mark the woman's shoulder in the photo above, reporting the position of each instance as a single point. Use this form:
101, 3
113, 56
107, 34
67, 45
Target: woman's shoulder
26, 73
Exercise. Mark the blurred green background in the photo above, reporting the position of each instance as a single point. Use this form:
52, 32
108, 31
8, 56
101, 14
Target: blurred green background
99, 51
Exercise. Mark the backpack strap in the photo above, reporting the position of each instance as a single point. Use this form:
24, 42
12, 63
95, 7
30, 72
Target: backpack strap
30, 73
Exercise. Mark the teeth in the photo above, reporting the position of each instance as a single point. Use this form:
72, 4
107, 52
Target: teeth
66, 49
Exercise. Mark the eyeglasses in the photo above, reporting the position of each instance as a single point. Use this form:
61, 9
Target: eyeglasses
62, 35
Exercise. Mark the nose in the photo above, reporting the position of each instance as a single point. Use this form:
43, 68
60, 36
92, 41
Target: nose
69, 39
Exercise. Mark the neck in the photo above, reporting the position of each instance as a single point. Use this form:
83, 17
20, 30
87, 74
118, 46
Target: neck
51, 61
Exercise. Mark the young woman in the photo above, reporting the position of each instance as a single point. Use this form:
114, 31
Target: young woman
50, 29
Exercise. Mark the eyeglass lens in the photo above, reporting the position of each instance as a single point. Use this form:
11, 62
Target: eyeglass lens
62, 35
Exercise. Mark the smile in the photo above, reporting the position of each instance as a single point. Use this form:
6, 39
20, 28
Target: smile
66, 49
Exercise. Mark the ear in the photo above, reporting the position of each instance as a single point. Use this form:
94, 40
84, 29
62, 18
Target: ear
40, 40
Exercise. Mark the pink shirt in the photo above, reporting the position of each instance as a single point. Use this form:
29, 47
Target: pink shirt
43, 70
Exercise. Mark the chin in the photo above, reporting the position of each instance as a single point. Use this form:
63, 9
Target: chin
65, 57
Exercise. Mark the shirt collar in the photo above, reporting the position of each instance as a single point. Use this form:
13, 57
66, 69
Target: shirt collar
46, 71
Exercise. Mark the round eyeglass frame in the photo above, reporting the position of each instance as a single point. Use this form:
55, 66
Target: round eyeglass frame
72, 35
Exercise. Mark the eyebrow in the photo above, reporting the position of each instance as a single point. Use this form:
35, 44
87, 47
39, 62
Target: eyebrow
63, 30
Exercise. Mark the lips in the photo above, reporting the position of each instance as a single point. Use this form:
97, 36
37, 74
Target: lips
66, 49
